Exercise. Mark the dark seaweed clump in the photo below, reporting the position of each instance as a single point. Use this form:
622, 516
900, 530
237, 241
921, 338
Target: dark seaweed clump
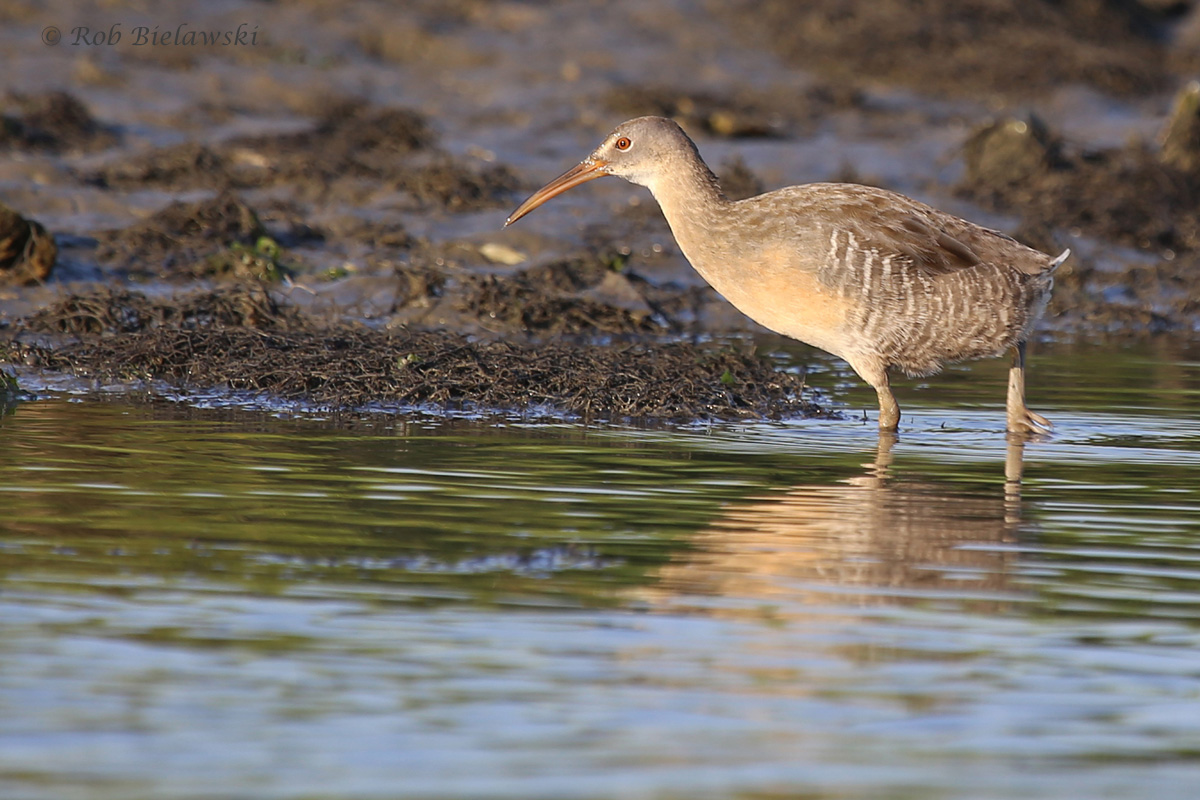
108, 311
352, 145
185, 239
52, 121
27, 250
1129, 195
242, 341
1140, 195
581, 295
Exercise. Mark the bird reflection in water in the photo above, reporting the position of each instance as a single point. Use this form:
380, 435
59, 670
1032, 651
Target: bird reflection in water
873, 539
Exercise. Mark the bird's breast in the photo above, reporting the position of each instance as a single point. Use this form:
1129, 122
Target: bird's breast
777, 293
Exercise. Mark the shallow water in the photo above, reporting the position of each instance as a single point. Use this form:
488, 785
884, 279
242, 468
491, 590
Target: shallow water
233, 604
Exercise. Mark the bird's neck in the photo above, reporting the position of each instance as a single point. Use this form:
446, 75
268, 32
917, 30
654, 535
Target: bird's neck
697, 211
688, 189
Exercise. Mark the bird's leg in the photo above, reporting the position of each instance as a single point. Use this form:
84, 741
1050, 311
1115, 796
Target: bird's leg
889, 409
1020, 418
874, 373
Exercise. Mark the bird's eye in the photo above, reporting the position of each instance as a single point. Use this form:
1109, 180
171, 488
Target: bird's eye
623, 143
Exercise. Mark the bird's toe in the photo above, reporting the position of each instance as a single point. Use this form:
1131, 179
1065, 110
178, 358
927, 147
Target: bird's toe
1026, 421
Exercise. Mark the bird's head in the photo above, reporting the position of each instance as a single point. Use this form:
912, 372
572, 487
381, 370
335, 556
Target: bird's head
639, 151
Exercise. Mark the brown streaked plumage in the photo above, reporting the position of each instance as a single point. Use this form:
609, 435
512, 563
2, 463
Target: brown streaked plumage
871, 276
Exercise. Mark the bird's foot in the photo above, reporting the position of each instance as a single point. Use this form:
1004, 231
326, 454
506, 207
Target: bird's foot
1028, 422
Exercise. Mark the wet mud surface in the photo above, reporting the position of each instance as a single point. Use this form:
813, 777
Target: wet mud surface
320, 217
1013, 47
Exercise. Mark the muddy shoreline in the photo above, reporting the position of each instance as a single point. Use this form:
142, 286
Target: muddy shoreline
320, 218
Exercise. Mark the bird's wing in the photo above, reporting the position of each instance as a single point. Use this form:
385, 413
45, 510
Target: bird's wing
926, 239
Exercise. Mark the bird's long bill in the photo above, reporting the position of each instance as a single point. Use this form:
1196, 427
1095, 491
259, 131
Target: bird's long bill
580, 173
